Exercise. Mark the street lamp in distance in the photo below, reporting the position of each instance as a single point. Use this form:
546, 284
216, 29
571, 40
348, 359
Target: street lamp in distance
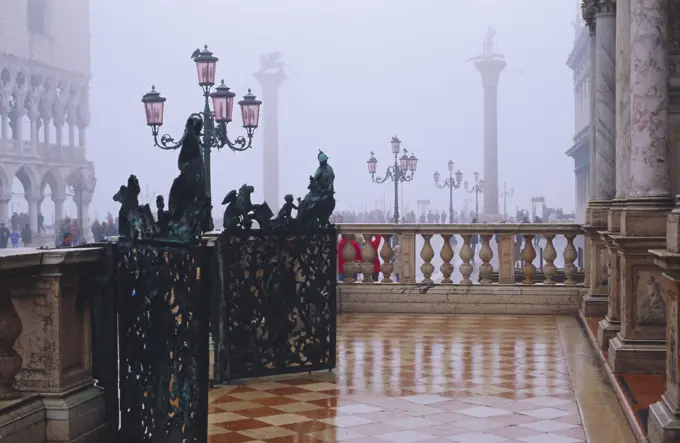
402, 170
453, 182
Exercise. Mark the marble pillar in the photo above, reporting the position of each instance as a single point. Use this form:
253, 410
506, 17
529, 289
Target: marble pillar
490, 67
32, 212
611, 324
664, 415
605, 115
640, 344
271, 81
58, 209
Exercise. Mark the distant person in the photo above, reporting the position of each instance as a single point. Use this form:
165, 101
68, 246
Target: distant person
14, 237
27, 235
67, 240
4, 236
41, 224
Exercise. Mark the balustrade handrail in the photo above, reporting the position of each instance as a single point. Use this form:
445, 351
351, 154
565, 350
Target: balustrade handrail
514, 255
462, 228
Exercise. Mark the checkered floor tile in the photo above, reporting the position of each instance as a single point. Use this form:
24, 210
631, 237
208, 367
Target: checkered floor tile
404, 379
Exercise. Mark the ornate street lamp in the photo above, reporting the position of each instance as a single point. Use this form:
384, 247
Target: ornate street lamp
402, 170
214, 121
505, 194
477, 188
453, 182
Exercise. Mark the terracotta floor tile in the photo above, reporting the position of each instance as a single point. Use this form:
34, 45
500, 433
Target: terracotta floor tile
406, 379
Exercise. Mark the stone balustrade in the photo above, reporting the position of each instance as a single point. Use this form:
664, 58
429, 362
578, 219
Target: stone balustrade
47, 391
51, 152
503, 262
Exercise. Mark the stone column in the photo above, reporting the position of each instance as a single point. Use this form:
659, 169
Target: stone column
58, 209
601, 20
490, 67
4, 127
59, 128
640, 344
664, 415
4, 209
611, 324
271, 81
32, 212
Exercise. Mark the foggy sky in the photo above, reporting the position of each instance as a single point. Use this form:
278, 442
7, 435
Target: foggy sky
369, 69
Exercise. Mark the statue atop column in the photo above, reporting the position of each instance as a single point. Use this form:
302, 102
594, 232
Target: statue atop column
488, 42
271, 64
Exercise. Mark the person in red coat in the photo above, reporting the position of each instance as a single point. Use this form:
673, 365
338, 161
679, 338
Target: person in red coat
341, 261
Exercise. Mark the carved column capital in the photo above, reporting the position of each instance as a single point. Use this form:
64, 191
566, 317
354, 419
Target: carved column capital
605, 7
588, 9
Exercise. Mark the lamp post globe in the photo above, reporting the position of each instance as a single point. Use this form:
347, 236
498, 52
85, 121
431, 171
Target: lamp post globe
223, 103
206, 64
154, 104
250, 111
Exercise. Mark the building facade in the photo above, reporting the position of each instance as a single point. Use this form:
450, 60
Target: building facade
578, 61
44, 104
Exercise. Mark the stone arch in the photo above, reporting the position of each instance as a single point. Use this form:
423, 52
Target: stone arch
56, 181
28, 177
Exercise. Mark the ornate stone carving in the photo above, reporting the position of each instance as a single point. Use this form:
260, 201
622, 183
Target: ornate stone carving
588, 8
604, 6
651, 308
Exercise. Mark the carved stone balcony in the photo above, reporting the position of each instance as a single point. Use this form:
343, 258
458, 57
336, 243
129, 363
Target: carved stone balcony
461, 268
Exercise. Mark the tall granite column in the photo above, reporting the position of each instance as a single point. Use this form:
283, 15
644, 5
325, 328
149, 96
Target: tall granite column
600, 16
490, 65
640, 344
271, 80
611, 325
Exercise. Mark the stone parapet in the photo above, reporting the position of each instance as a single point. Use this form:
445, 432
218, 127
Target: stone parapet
45, 353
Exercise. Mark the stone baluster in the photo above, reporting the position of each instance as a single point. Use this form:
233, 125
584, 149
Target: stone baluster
10, 330
427, 254
368, 255
446, 255
506, 259
528, 256
349, 255
485, 254
549, 255
570, 255
387, 255
466, 256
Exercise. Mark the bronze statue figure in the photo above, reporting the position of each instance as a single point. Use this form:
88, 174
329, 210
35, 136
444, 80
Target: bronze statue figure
240, 211
316, 208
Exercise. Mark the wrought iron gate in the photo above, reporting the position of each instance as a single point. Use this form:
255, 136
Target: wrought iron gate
163, 316
279, 301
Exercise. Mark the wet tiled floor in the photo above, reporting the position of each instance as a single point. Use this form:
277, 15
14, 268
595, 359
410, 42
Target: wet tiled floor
430, 378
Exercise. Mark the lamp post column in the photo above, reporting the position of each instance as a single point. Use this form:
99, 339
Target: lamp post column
208, 128
451, 203
396, 190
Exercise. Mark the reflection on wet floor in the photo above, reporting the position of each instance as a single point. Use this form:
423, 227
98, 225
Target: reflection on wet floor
424, 378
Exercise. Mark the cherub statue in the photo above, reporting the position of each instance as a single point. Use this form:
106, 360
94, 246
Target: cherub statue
285, 215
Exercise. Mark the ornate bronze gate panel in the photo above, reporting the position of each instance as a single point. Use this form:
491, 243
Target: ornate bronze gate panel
280, 292
163, 340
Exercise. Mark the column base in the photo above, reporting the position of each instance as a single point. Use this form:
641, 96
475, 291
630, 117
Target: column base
644, 357
75, 416
663, 425
606, 330
22, 420
594, 305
